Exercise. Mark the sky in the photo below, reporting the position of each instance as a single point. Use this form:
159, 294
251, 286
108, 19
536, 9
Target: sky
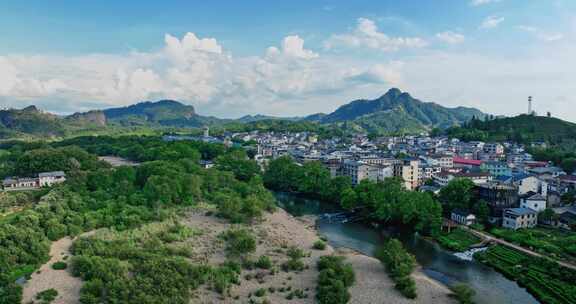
288, 58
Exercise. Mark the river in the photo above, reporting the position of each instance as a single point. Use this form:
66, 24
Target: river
441, 265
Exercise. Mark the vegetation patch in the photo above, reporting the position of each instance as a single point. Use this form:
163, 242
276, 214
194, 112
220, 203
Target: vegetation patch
334, 279
399, 264
545, 279
59, 266
457, 240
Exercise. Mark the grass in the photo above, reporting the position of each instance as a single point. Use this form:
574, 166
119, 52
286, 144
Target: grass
458, 240
553, 243
543, 278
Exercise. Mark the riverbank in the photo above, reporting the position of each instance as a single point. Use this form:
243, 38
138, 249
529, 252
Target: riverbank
280, 230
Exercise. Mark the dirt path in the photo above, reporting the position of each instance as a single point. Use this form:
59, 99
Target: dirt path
68, 287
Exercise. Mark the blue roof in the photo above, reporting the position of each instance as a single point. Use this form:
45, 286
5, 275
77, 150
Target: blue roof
521, 211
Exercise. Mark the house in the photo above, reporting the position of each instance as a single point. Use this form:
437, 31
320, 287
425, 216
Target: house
534, 201
517, 218
530, 183
496, 168
47, 179
44, 179
499, 197
463, 217
19, 183
444, 178
206, 164
466, 163
408, 170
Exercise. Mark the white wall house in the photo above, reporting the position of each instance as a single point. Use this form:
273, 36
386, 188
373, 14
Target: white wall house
535, 202
463, 217
517, 218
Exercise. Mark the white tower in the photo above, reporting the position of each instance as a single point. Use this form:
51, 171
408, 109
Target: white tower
529, 105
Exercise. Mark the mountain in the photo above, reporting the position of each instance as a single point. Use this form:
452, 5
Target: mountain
398, 111
160, 113
260, 117
30, 120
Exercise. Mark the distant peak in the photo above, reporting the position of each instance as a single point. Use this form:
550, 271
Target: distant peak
31, 108
394, 92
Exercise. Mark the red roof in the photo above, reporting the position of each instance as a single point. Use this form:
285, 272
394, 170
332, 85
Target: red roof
470, 162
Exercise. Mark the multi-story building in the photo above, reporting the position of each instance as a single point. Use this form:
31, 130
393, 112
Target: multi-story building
499, 197
516, 218
496, 168
493, 148
356, 170
535, 202
408, 170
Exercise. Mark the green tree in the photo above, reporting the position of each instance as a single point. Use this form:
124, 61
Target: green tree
457, 194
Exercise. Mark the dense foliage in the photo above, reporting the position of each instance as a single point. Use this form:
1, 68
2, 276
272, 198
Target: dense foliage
545, 279
385, 201
521, 129
122, 198
334, 279
399, 264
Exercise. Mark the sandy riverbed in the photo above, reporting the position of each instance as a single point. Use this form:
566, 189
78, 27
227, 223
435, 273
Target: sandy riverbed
68, 287
280, 230
276, 232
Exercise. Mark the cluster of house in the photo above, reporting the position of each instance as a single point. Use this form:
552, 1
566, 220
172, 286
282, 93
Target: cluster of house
44, 179
515, 187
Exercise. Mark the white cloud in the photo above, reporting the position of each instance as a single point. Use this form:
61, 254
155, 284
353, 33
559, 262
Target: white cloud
540, 34
194, 70
367, 35
451, 37
482, 2
292, 46
491, 22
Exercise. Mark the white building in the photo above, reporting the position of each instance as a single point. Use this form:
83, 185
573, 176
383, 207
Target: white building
47, 179
532, 184
463, 217
535, 202
517, 218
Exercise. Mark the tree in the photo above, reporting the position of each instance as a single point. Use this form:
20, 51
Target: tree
283, 174
463, 293
568, 165
315, 178
482, 211
457, 194
237, 162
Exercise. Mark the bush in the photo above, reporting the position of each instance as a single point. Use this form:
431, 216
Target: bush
264, 262
319, 245
260, 292
239, 242
59, 266
47, 296
399, 264
334, 279
463, 293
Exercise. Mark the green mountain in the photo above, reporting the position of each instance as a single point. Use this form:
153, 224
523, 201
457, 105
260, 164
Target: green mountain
397, 111
161, 113
521, 129
30, 120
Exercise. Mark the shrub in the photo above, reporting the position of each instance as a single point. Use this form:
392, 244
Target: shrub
239, 242
47, 296
264, 262
463, 293
59, 266
260, 292
319, 245
399, 264
333, 280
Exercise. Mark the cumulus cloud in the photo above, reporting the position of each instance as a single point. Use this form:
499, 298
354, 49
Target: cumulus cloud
191, 69
292, 46
491, 22
482, 2
451, 37
367, 35
540, 34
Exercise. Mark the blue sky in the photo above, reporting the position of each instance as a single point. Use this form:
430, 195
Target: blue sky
288, 57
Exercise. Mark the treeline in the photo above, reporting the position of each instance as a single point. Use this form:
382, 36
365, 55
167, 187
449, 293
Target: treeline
560, 157
97, 196
388, 201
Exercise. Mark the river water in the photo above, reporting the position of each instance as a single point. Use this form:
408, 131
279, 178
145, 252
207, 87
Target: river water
441, 265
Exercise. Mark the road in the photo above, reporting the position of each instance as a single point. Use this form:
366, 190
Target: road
488, 237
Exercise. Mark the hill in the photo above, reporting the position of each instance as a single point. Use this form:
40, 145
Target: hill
521, 129
30, 120
397, 111
161, 113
